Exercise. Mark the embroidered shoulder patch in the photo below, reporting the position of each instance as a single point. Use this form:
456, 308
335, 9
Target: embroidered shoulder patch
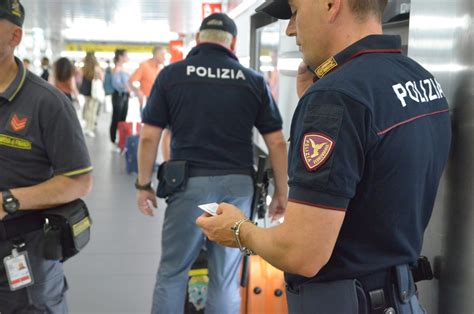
18, 123
315, 150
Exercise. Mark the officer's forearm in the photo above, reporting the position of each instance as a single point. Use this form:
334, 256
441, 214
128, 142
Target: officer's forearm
302, 245
56, 191
147, 150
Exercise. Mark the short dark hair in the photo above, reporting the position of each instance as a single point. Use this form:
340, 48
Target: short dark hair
63, 70
363, 8
118, 54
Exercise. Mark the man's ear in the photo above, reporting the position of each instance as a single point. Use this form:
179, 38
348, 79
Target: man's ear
17, 35
333, 8
233, 44
198, 41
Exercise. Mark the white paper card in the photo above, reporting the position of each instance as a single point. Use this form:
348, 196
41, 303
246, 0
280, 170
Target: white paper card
210, 208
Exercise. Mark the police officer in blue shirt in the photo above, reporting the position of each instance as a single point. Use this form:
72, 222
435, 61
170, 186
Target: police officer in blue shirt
43, 163
369, 141
211, 103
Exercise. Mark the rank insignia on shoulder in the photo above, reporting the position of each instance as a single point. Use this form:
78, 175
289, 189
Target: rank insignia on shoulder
315, 150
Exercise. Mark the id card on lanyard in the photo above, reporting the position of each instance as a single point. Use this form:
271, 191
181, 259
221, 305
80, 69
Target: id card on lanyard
18, 269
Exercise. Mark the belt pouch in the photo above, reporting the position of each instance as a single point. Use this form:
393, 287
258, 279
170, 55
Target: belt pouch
172, 177
70, 224
341, 296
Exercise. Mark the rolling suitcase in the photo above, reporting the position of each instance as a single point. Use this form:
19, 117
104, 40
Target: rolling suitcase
131, 150
265, 291
126, 129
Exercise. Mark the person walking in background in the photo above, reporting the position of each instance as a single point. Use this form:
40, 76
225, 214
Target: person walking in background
90, 71
63, 78
147, 73
45, 68
121, 94
26, 63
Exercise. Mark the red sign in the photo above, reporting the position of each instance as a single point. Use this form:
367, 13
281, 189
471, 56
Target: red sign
176, 50
210, 8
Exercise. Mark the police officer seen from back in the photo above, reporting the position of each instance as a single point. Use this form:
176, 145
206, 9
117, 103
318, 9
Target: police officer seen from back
369, 142
210, 103
43, 163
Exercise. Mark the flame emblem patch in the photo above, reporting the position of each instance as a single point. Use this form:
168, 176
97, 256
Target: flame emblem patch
315, 150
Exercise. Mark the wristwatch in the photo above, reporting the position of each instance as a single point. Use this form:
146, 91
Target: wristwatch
10, 203
145, 187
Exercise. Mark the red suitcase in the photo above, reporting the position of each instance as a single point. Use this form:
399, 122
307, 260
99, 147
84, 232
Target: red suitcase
126, 129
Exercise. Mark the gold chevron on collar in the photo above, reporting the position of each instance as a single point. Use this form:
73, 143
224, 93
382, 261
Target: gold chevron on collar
325, 67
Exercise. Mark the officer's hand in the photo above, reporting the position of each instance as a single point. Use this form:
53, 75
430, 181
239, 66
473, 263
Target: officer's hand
277, 207
3, 214
304, 79
145, 201
218, 228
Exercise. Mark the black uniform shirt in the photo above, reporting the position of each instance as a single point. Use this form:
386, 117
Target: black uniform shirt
40, 135
371, 137
211, 103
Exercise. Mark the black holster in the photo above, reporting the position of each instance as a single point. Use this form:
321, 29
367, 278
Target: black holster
66, 231
172, 177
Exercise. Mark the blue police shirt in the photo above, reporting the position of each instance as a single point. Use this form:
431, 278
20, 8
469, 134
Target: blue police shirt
371, 137
211, 102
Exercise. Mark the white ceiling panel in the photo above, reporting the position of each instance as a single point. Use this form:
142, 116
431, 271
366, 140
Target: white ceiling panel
125, 20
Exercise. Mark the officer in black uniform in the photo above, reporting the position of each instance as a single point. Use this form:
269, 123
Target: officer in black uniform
211, 103
369, 141
43, 163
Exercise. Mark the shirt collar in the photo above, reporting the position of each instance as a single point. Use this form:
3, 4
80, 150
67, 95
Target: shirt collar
210, 48
17, 83
369, 44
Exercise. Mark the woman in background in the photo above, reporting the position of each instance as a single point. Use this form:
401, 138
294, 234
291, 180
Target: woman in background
90, 71
122, 92
64, 78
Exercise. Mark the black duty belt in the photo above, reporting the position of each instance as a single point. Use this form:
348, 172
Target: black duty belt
204, 172
10, 229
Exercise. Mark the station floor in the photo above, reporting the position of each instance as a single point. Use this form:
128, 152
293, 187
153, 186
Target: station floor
115, 273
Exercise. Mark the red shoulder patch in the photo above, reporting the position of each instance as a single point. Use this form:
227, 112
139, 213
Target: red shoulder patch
315, 150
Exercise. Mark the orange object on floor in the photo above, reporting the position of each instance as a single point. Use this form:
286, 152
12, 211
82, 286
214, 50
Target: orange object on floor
265, 292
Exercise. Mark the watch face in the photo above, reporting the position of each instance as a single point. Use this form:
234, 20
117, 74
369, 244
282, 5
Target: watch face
11, 205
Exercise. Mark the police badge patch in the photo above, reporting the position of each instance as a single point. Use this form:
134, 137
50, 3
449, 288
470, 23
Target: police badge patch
315, 150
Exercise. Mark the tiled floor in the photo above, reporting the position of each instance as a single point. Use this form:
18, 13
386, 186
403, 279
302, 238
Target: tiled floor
116, 271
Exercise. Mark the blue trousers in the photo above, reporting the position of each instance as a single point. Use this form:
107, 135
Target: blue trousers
182, 241
47, 294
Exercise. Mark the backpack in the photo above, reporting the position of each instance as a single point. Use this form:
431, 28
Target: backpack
108, 88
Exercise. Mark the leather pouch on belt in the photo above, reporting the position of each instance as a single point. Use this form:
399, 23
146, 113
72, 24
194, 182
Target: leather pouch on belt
67, 230
172, 177
341, 296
